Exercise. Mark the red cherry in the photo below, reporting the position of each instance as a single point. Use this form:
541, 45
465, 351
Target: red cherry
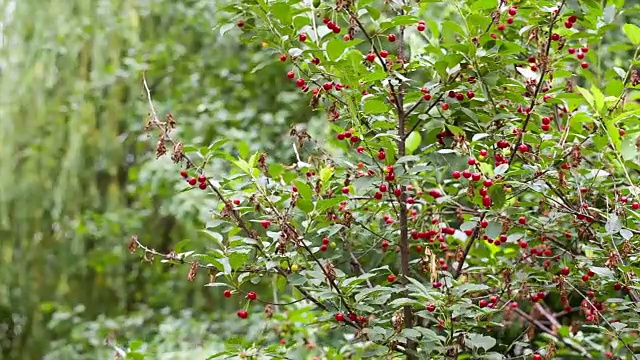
202, 178
445, 106
617, 286
572, 19
345, 190
202, 186
483, 303
421, 27
431, 307
471, 161
483, 152
300, 82
384, 53
236, 201
565, 271
510, 20
522, 220
584, 65
555, 37
183, 173
470, 94
283, 57
568, 24
227, 293
302, 37
370, 57
486, 201
265, 223
291, 74
459, 97
251, 295
513, 11
523, 148
585, 49
192, 181
456, 174
242, 314
377, 195
339, 317
537, 357
580, 55
427, 97
382, 155
571, 50
585, 277
501, 27
391, 37
391, 278
323, 247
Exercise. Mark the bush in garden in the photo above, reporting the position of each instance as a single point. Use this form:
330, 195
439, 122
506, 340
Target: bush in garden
477, 196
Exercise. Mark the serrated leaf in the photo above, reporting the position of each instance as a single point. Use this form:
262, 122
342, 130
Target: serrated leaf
479, 136
632, 32
411, 334
500, 169
478, 341
598, 98
413, 141
626, 234
335, 48
587, 96
303, 189
375, 106
602, 271
527, 73
613, 225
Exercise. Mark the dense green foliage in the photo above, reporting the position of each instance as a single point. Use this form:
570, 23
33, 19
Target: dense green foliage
80, 177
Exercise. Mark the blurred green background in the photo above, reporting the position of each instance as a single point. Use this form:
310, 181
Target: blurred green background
79, 174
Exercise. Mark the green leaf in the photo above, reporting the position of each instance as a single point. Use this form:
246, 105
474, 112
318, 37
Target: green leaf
614, 134
483, 5
282, 12
375, 106
335, 48
587, 96
632, 32
305, 205
304, 189
598, 98
603, 271
222, 264
413, 141
411, 334
478, 341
